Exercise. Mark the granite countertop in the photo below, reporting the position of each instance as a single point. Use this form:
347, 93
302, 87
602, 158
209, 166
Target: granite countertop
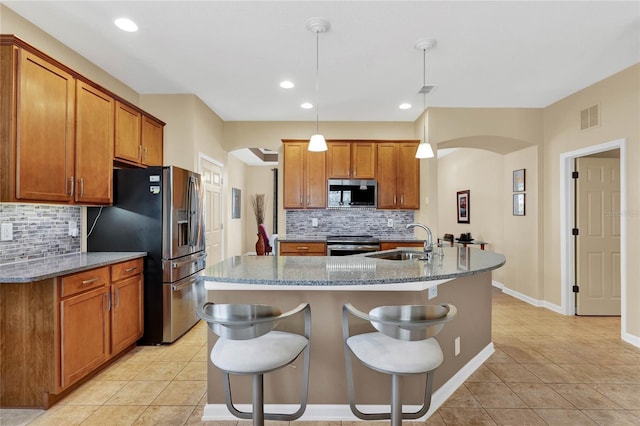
49, 267
357, 270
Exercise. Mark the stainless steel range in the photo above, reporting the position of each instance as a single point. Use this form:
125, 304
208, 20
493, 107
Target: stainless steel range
345, 245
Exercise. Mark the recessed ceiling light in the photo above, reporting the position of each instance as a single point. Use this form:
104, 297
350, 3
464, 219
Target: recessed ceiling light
126, 24
306, 105
404, 106
287, 84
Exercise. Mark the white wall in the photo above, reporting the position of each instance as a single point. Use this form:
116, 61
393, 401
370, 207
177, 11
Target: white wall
481, 172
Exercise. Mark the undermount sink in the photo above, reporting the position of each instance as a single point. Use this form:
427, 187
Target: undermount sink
400, 255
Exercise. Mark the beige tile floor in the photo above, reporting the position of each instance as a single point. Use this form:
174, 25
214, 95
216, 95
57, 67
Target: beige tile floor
548, 369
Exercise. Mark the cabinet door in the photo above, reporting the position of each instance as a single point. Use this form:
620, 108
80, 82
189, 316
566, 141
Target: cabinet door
84, 334
45, 118
94, 145
408, 181
338, 160
387, 175
126, 313
363, 160
151, 142
315, 176
293, 174
127, 145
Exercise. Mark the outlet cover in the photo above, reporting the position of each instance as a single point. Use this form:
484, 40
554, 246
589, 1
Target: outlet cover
433, 292
390, 223
314, 221
6, 232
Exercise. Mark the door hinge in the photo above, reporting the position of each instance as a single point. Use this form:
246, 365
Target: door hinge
575, 231
574, 175
576, 289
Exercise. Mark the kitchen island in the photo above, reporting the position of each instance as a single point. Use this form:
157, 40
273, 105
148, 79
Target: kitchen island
461, 276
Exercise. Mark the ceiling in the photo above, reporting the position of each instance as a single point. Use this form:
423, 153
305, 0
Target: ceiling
233, 54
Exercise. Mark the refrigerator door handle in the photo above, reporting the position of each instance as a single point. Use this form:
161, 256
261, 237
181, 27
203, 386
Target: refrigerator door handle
189, 282
176, 265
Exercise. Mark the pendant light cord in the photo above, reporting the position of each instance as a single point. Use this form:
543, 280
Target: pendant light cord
317, 80
424, 95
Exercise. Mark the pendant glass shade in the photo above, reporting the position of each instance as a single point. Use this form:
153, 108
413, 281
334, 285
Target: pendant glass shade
424, 150
317, 143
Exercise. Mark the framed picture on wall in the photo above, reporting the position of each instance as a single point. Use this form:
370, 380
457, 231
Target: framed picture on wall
236, 196
518, 180
463, 206
518, 204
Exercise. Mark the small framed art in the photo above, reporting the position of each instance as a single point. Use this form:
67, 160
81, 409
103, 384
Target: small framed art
463, 206
518, 180
518, 204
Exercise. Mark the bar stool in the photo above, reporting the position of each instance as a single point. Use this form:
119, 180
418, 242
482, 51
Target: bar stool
249, 345
402, 346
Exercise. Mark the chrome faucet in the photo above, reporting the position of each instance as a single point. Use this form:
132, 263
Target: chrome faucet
429, 242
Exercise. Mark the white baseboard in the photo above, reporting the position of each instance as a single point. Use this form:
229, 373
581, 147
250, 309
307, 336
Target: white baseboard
530, 300
342, 412
630, 338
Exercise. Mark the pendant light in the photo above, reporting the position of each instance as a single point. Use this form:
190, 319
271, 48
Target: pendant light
317, 142
424, 148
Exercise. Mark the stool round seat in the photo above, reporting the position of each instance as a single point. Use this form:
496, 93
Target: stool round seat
248, 344
265, 353
403, 345
391, 356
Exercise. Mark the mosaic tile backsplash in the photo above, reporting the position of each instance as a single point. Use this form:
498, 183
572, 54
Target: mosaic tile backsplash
350, 222
38, 231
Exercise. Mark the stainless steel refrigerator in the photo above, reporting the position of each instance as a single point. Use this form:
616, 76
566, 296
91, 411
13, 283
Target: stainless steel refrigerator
158, 210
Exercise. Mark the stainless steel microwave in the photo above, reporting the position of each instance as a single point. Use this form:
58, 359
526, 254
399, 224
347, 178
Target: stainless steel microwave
352, 193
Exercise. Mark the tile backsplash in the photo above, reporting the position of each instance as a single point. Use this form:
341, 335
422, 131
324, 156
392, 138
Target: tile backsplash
350, 222
38, 231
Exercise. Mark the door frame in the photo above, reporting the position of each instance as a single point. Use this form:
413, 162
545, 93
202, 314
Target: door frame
567, 210
205, 157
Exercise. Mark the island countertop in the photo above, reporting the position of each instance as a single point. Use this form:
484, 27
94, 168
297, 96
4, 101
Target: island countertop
55, 266
348, 272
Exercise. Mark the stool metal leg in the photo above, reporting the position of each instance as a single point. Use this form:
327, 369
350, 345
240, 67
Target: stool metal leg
396, 400
258, 400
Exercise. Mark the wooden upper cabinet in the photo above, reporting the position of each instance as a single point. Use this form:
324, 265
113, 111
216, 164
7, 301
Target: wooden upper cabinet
305, 182
127, 128
408, 181
44, 149
316, 180
351, 160
363, 160
151, 141
387, 175
94, 145
398, 175
293, 165
61, 133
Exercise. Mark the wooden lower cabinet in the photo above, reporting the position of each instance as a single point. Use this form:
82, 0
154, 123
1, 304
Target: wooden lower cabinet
58, 331
126, 313
84, 334
390, 245
303, 248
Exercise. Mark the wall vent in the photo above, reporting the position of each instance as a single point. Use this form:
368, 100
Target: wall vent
589, 117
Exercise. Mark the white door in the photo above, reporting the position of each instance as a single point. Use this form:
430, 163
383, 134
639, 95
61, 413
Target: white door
598, 240
213, 209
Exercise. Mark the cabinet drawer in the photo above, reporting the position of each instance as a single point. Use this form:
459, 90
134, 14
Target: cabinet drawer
390, 245
83, 281
126, 269
302, 248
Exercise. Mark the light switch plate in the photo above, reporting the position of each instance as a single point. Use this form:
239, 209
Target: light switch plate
6, 232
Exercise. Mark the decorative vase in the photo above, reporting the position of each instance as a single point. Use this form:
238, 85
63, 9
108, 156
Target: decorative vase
260, 245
